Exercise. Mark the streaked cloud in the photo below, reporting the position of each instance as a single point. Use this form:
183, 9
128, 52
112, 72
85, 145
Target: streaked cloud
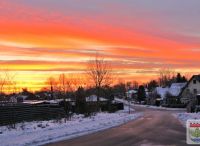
138, 37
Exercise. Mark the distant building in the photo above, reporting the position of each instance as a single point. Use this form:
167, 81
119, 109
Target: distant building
161, 92
93, 98
20, 98
131, 94
13, 99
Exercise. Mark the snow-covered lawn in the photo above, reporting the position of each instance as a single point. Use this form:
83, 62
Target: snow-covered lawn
149, 106
42, 132
183, 117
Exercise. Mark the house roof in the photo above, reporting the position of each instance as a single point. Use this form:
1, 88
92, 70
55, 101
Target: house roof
22, 96
132, 91
198, 76
178, 85
175, 89
162, 91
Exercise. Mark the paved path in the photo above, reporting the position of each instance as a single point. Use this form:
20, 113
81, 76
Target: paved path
156, 128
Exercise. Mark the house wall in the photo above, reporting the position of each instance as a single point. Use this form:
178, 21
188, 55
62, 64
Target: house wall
190, 91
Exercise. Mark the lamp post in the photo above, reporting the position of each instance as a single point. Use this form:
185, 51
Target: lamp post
129, 105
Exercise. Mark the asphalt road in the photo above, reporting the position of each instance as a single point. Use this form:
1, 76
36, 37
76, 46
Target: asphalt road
156, 128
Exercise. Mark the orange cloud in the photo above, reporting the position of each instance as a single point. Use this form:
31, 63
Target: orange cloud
34, 41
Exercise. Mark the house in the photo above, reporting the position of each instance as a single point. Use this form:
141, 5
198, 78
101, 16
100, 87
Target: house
13, 99
25, 95
20, 98
191, 90
161, 92
156, 96
131, 94
43, 95
174, 90
167, 95
93, 98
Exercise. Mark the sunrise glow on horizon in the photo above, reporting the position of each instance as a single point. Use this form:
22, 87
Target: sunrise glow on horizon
45, 38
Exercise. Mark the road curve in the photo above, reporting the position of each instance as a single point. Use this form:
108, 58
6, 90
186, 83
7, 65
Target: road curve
156, 128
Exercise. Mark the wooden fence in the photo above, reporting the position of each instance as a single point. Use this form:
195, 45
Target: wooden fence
11, 114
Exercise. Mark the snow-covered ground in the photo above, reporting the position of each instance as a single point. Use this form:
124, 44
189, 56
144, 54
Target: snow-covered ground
42, 132
183, 117
149, 106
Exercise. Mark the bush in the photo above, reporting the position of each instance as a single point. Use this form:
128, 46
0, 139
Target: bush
91, 108
67, 106
81, 105
157, 103
112, 107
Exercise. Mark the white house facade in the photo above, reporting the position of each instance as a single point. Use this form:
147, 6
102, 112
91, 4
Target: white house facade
191, 90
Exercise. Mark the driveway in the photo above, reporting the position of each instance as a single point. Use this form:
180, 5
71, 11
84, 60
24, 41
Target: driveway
156, 128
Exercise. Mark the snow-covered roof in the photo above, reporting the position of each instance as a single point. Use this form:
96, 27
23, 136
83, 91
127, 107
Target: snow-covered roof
32, 101
22, 96
175, 89
91, 98
132, 91
178, 85
103, 99
13, 99
162, 91
55, 101
47, 94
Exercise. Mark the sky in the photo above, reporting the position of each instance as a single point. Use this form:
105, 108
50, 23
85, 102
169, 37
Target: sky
44, 38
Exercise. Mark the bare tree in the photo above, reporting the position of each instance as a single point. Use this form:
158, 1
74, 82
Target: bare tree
77, 81
132, 85
100, 73
3, 81
166, 76
7, 83
71, 82
135, 85
64, 83
188, 75
52, 83
128, 85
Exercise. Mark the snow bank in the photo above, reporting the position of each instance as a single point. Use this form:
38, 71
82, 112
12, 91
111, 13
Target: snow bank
183, 117
149, 106
43, 132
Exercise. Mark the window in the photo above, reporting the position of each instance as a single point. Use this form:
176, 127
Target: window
195, 91
194, 81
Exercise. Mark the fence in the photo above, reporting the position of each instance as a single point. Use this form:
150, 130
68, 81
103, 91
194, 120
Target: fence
11, 114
